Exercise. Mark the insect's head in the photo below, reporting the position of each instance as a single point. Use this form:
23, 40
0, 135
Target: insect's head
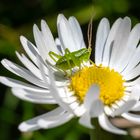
85, 54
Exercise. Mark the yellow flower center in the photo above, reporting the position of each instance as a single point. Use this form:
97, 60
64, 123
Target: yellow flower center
109, 81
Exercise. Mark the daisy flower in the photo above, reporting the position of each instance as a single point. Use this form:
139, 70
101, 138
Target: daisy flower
60, 72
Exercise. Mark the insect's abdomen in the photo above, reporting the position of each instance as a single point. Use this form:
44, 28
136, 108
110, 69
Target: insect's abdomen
69, 61
64, 65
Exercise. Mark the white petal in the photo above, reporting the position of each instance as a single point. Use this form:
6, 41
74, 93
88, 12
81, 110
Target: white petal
79, 110
85, 120
109, 42
30, 49
91, 96
130, 47
135, 93
32, 52
25, 127
41, 44
55, 93
132, 73
59, 75
106, 124
108, 110
124, 108
65, 34
38, 94
132, 83
43, 66
69, 100
97, 108
31, 97
42, 93
74, 105
55, 121
64, 93
48, 38
32, 124
136, 107
42, 69
15, 83
120, 42
58, 99
133, 61
131, 117
90, 104
29, 65
102, 34
59, 46
22, 72
77, 33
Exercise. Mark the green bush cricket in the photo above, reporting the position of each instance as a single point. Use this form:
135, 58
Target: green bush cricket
71, 59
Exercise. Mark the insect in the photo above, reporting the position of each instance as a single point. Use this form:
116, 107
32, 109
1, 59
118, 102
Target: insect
71, 59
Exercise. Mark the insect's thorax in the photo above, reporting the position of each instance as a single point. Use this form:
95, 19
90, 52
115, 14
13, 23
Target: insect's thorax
84, 54
73, 59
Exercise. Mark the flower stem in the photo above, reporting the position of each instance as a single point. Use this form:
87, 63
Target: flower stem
98, 133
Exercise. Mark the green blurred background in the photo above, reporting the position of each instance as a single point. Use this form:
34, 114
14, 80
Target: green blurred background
17, 18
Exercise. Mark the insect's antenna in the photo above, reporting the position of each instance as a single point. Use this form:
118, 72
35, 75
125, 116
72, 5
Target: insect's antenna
89, 33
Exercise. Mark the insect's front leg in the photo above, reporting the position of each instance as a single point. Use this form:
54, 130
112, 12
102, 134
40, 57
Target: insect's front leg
54, 56
67, 51
91, 62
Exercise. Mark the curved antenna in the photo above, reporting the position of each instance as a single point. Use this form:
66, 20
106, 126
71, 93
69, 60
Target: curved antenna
89, 33
90, 30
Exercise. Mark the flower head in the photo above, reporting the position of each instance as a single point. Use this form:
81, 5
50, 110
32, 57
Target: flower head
61, 72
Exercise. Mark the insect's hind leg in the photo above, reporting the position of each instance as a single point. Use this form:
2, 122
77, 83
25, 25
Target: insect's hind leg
67, 54
54, 56
73, 58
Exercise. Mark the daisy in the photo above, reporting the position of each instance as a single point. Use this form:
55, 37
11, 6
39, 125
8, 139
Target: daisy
107, 88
